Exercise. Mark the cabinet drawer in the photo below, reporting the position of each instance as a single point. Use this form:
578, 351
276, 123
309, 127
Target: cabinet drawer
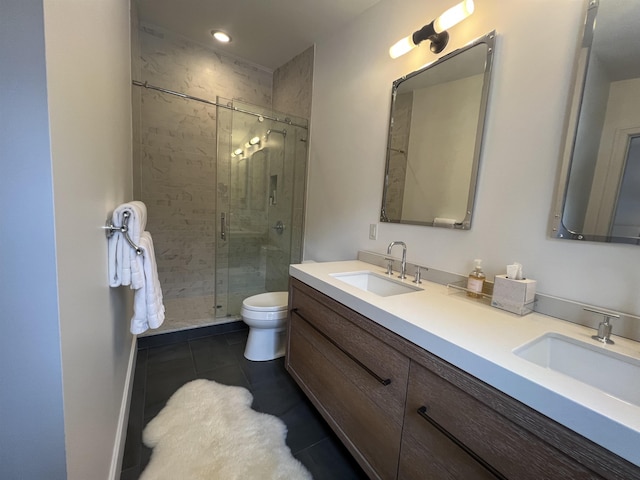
379, 360
510, 450
347, 397
427, 453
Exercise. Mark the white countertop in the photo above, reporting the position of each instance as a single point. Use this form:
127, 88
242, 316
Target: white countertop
480, 340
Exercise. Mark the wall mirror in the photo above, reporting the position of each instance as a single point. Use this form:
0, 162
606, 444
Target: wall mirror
435, 138
598, 190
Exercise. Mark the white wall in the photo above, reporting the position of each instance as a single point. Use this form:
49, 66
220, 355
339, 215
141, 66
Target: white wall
31, 411
351, 96
89, 88
66, 162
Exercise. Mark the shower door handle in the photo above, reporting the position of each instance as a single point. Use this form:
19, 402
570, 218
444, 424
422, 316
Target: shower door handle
223, 226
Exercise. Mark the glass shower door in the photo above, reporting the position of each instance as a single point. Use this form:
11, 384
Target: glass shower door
261, 180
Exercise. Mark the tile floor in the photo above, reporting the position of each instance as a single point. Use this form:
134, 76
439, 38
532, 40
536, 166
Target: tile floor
166, 362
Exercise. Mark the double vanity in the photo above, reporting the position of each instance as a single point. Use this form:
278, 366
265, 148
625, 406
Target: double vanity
421, 381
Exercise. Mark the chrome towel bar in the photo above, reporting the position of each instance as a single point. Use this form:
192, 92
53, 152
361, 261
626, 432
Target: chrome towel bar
124, 229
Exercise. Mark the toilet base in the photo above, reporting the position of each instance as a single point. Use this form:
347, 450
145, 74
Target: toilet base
265, 344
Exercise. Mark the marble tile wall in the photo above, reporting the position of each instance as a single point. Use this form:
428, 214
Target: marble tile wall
292, 88
136, 98
176, 160
178, 64
402, 111
287, 163
292, 85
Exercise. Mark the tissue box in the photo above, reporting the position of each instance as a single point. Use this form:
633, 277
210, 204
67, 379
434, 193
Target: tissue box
516, 296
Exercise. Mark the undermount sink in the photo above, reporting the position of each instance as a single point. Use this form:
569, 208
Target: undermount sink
611, 372
375, 283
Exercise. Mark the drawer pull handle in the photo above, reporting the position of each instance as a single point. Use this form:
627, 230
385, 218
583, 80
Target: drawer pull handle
383, 381
422, 411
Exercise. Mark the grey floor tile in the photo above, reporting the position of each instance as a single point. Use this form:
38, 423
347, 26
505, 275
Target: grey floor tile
264, 372
277, 396
213, 352
236, 337
132, 473
163, 369
329, 460
157, 356
305, 426
160, 387
227, 375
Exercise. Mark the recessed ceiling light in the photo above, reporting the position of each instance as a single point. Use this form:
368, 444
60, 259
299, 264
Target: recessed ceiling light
220, 36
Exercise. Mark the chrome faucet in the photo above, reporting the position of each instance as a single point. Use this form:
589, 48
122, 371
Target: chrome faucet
403, 270
604, 328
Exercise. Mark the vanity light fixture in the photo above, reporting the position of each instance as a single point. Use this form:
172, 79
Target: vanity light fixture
220, 36
436, 31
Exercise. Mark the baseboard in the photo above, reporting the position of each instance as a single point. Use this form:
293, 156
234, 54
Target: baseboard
167, 338
123, 420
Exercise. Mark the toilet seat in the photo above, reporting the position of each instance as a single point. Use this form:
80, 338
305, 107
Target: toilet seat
267, 302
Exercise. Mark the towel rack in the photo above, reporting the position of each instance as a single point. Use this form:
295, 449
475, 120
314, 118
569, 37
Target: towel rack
124, 229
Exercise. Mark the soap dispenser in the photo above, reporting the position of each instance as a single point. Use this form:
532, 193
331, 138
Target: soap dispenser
475, 282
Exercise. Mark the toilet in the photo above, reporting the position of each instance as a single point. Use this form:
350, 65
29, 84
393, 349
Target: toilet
266, 316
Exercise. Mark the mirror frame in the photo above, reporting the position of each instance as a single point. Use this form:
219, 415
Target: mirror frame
488, 40
557, 227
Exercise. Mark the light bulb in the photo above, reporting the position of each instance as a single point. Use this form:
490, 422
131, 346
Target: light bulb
221, 36
453, 16
401, 47
254, 141
238, 151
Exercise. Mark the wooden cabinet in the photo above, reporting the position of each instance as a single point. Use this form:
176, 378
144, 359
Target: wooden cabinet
355, 380
467, 439
405, 413
429, 450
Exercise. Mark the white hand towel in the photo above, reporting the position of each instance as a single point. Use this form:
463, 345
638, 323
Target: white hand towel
121, 254
148, 307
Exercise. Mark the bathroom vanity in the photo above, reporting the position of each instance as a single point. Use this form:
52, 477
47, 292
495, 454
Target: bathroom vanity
426, 384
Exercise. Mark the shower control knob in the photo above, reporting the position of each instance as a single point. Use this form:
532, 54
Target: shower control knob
279, 227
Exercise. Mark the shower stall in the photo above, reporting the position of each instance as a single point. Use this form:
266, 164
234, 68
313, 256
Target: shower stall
224, 184
260, 198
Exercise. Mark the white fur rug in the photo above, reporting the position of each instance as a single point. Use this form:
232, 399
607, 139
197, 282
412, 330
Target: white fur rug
208, 431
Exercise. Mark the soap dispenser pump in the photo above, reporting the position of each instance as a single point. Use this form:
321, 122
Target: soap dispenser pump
475, 282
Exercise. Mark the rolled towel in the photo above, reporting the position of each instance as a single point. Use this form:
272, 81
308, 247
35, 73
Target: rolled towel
444, 222
121, 254
148, 306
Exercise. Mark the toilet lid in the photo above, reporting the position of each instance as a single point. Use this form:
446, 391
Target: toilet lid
267, 302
